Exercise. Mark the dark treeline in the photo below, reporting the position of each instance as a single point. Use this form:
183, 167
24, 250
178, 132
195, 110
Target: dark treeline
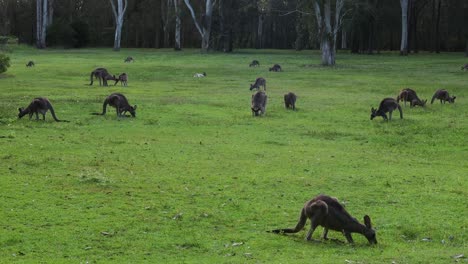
367, 26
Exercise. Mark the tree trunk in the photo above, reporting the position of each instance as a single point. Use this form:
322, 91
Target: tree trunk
261, 19
344, 44
119, 12
41, 26
205, 28
177, 44
50, 13
328, 32
404, 28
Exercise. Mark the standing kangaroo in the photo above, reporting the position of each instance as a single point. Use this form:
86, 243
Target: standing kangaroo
276, 68
410, 95
123, 78
39, 105
120, 102
387, 105
443, 96
258, 82
326, 211
129, 59
30, 64
254, 63
290, 101
258, 106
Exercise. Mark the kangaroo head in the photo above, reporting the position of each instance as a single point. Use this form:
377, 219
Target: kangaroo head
251, 87
369, 233
270, 69
424, 102
452, 99
132, 110
373, 113
204, 73
20, 114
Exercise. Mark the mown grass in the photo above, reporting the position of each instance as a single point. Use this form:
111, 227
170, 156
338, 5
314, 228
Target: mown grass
195, 174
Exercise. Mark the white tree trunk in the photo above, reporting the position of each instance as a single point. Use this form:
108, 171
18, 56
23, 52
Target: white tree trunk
178, 45
205, 29
41, 23
119, 12
404, 27
328, 32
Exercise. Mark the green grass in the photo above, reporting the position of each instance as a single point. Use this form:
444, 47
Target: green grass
195, 173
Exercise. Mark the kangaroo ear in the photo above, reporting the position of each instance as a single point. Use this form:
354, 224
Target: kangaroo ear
20, 109
367, 221
134, 107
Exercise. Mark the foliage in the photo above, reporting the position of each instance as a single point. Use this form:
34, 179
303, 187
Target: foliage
194, 178
71, 35
4, 62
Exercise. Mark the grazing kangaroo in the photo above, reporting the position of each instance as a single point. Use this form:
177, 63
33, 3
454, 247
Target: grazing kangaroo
464, 67
387, 105
258, 82
120, 102
326, 211
199, 75
30, 64
254, 63
276, 68
443, 96
410, 95
129, 59
123, 78
39, 105
259, 100
98, 73
290, 101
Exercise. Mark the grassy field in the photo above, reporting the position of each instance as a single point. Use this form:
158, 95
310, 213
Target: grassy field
194, 178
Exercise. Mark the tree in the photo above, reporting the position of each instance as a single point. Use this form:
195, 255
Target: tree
41, 23
177, 44
404, 27
119, 12
205, 28
326, 30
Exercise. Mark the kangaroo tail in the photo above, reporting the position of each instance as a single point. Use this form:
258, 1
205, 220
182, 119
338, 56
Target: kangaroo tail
300, 225
49, 105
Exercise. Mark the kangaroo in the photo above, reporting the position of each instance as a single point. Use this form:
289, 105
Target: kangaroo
387, 105
259, 100
39, 105
464, 67
98, 73
258, 82
199, 75
120, 102
290, 101
254, 63
30, 64
326, 211
443, 96
129, 59
123, 78
410, 95
276, 68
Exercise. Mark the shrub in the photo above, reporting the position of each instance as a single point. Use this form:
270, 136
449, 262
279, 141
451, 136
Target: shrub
4, 62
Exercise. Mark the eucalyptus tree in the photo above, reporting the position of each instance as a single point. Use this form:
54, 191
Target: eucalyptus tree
178, 23
118, 9
205, 28
328, 29
41, 23
404, 27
